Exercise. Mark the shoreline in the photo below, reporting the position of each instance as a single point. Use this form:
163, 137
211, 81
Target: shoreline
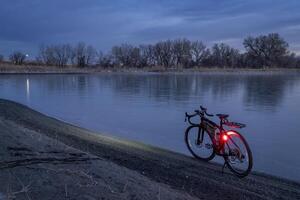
156, 72
28, 69
143, 166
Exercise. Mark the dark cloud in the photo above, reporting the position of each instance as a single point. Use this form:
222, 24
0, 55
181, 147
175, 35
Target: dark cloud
26, 24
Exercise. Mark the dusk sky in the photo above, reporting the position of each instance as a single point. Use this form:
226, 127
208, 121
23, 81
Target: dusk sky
26, 24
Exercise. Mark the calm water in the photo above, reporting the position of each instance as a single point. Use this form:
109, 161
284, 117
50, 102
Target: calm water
150, 107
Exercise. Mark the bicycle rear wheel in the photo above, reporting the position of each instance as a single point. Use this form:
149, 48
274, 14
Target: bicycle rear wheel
238, 154
199, 143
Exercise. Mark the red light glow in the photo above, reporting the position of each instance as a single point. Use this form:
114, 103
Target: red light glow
225, 137
230, 133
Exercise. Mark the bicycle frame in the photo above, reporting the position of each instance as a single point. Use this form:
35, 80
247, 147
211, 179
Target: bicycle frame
204, 124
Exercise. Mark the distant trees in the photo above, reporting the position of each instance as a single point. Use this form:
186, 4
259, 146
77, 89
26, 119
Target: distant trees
60, 55
17, 58
262, 51
55, 55
222, 55
179, 53
126, 55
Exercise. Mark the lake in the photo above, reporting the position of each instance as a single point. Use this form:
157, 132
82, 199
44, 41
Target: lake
150, 107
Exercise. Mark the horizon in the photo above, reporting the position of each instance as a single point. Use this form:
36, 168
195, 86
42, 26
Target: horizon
27, 25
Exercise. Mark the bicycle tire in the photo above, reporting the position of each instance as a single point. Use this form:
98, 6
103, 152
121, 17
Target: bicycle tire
187, 132
250, 159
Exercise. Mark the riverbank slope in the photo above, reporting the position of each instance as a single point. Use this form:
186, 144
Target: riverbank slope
44, 158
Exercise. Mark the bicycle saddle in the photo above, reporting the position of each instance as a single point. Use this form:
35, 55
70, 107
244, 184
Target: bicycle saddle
222, 116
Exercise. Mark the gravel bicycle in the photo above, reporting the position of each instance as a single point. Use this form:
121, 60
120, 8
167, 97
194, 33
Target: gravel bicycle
207, 139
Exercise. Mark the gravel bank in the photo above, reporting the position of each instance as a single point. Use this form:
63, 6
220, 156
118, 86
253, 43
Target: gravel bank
44, 158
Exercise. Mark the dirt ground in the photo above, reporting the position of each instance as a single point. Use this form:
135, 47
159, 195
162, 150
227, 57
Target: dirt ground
44, 158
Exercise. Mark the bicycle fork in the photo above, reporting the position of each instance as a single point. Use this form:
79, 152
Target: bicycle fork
200, 136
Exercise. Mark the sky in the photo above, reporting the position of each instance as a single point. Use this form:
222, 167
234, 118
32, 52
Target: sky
27, 24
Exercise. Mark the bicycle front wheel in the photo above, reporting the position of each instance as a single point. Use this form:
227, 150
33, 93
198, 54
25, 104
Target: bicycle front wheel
238, 154
199, 143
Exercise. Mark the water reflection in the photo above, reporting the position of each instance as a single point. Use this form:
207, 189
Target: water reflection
27, 89
267, 92
259, 91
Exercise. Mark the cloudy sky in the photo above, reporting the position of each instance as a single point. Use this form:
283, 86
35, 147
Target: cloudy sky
26, 24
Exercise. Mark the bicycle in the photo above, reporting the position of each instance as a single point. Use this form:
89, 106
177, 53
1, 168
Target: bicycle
207, 135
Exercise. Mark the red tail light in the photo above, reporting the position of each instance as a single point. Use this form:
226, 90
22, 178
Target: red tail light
225, 137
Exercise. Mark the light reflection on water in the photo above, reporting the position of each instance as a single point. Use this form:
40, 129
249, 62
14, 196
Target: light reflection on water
150, 107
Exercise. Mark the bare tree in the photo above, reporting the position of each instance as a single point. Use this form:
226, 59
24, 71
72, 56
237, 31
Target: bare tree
17, 57
62, 54
163, 53
135, 58
80, 54
199, 53
46, 55
147, 57
224, 56
182, 52
58, 55
122, 54
266, 50
84, 55
91, 54
105, 60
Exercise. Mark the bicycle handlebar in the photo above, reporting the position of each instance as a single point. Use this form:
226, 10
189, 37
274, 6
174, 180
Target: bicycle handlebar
202, 108
205, 111
197, 112
188, 117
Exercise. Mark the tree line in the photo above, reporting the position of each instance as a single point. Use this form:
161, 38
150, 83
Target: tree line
264, 51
